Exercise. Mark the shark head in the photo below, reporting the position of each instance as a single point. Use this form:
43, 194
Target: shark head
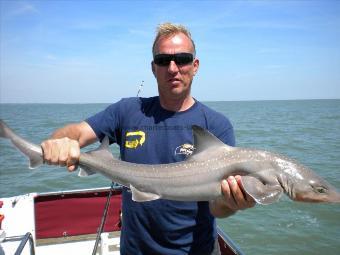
316, 190
303, 185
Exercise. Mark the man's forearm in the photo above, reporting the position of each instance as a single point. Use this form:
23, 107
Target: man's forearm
80, 132
71, 131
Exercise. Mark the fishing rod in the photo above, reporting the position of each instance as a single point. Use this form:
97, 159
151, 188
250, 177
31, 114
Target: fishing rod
107, 204
100, 230
140, 88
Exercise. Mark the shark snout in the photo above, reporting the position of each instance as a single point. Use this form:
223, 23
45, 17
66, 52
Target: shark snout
330, 197
335, 198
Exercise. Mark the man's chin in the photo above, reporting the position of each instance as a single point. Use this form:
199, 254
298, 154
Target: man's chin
178, 92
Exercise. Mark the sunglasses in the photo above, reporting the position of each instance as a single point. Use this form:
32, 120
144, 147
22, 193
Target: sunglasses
179, 58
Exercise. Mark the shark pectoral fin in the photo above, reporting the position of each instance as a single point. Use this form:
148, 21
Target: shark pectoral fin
140, 196
83, 172
262, 193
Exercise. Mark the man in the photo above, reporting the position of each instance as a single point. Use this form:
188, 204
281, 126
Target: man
158, 130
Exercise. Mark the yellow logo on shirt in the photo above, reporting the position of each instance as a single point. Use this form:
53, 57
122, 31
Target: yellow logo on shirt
134, 139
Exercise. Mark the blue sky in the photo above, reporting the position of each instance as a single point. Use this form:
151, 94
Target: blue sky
100, 51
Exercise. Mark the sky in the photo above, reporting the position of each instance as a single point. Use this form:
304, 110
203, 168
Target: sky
75, 51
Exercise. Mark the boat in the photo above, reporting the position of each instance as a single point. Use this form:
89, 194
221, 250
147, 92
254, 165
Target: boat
67, 222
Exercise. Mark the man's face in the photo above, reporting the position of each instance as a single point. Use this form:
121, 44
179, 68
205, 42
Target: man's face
174, 81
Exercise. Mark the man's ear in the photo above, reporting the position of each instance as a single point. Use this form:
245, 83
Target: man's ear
196, 65
153, 68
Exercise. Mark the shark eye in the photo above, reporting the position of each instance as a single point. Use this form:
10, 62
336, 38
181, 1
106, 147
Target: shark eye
320, 189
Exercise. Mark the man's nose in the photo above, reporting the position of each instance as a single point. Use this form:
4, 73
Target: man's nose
173, 68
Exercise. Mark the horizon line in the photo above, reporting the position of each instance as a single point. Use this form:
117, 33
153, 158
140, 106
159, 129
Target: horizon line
203, 101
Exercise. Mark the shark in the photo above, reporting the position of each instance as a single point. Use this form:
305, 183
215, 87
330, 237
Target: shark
265, 175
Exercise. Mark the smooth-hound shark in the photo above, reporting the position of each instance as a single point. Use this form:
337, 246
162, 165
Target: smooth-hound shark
265, 175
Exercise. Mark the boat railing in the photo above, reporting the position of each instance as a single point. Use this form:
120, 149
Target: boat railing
23, 241
227, 245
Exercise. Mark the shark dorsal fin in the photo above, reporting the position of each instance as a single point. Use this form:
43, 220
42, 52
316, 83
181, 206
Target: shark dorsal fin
203, 139
102, 153
105, 143
206, 142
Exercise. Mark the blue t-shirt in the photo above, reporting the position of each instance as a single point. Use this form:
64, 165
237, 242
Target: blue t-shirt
149, 134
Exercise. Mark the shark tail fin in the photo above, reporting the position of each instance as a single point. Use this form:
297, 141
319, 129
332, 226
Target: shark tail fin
4, 129
30, 150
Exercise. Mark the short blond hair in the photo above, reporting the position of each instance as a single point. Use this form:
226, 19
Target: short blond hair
168, 29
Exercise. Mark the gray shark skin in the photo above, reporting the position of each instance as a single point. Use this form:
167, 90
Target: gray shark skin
265, 175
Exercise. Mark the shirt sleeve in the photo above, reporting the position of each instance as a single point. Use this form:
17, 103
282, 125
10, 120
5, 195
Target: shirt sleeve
107, 122
220, 126
223, 130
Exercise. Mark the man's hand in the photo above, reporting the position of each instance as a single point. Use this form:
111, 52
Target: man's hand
63, 148
62, 152
234, 198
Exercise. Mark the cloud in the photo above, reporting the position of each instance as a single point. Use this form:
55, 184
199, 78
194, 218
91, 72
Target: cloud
23, 9
50, 57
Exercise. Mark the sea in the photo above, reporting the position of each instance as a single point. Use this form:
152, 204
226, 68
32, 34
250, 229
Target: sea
306, 130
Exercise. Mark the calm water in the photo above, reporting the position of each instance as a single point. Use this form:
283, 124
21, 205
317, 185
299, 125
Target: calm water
308, 131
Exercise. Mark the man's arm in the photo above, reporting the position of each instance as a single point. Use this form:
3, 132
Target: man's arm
234, 198
63, 148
